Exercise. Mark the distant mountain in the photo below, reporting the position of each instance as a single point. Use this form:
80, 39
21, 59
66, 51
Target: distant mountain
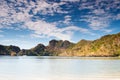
54, 48
36, 51
106, 46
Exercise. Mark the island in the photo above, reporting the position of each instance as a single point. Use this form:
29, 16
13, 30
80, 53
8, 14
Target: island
106, 46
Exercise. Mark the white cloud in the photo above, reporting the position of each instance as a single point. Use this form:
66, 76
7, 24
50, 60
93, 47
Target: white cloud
43, 29
97, 24
8, 13
67, 19
42, 7
117, 17
71, 0
3, 11
99, 12
40, 28
98, 20
21, 17
100, 16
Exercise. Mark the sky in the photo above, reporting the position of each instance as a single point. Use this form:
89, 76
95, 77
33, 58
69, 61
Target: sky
26, 23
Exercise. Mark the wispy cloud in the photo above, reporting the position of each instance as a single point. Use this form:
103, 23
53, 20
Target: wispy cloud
98, 16
96, 22
117, 17
67, 19
40, 28
43, 29
19, 11
42, 7
71, 0
101, 13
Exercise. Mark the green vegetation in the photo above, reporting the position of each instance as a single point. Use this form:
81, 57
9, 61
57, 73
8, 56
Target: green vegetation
108, 45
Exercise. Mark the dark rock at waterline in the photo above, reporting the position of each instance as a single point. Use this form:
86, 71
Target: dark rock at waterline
9, 50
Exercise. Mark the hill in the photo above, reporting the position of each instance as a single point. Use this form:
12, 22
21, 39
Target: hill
9, 50
106, 46
54, 48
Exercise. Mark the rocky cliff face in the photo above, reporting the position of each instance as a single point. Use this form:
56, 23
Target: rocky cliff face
56, 47
9, 50
59, 44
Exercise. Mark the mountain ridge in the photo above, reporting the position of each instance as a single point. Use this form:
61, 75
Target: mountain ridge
108, 45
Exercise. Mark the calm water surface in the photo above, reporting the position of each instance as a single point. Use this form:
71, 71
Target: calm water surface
59, 68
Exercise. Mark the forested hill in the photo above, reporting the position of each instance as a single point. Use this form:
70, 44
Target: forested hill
108, 45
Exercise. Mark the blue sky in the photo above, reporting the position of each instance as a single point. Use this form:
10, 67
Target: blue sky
25, 23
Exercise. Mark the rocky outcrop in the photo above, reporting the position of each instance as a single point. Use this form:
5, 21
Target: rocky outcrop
9, 50
59, 44
56, 47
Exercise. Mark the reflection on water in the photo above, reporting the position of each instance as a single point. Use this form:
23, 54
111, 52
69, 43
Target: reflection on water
52, 68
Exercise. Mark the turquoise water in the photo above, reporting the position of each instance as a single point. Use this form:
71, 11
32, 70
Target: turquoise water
60, 68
